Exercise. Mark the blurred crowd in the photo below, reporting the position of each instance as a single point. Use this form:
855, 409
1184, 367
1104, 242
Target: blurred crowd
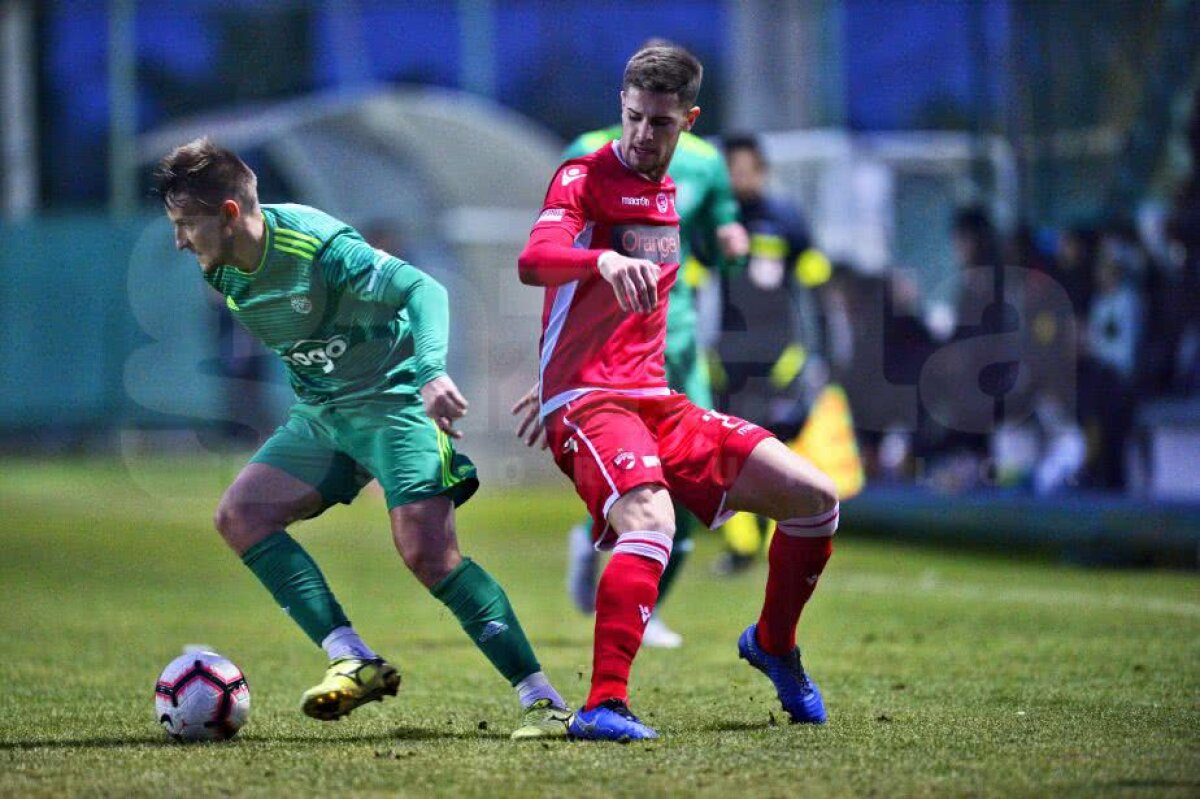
1041, 374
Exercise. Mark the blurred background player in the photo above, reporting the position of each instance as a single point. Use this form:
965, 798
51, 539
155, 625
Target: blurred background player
364, 336
770, 362
606, 247
709, 230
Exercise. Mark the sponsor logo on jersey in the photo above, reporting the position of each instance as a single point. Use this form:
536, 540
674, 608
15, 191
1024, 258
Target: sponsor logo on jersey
625, 460
551, 215
572, 174
301, 304
322, 354
641, 202
656, 243
660, 202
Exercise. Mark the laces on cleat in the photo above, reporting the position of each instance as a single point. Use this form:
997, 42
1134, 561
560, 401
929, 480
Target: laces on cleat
620, 708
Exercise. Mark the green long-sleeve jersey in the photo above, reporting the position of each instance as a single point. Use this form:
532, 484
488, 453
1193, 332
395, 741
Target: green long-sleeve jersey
704, 201
348, 320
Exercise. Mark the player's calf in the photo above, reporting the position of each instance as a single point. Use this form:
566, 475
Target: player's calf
625, 600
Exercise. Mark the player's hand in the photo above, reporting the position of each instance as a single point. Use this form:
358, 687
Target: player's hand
634, 281
733, 240
444, 404
531, 429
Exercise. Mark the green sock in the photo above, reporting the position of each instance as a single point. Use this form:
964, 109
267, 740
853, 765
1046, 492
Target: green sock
483, 610
293, 578
680, 549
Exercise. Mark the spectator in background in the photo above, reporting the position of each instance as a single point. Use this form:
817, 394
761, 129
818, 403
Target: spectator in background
949, 437
1074, 267
1183, 233
771, 348
1049, 352
1114, 330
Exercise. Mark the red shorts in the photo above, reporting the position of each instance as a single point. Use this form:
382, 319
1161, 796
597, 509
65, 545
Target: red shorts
609, 444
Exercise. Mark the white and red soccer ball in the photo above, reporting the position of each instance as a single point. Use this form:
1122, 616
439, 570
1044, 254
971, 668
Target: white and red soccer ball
201, 696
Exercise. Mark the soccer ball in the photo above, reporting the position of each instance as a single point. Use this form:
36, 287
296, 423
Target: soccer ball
201, 696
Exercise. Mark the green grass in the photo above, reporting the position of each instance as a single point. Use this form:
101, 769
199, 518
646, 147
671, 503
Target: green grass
946, 673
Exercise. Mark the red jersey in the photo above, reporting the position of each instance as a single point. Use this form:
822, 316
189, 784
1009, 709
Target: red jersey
594, 204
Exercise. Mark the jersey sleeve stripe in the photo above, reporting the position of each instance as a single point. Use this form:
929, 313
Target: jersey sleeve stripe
296, 246
297, 236
306, 254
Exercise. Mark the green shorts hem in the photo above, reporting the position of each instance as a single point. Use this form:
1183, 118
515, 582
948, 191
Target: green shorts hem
458, 493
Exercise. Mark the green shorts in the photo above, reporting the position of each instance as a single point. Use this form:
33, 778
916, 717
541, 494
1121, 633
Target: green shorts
337, 449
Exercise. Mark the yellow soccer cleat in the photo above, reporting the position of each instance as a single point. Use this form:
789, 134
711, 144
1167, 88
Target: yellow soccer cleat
348, 683
542, 720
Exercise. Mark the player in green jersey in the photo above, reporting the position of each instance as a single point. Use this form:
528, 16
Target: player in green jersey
364, 337
708, 216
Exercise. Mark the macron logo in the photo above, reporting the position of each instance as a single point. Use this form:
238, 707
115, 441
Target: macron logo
572, 174
640, 202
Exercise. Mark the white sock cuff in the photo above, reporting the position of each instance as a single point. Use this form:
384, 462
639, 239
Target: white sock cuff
647, 544
822, 525
344, 642
537, 686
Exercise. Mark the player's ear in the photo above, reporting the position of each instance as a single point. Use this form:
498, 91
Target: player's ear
230, 211
692, 116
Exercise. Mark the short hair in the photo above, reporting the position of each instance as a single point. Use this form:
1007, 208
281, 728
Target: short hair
205, 173
665, 69
744, 142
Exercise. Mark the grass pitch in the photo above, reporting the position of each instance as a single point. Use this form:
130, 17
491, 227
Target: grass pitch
945, 673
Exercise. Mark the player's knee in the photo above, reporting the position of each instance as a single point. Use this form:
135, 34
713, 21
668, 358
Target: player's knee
430, 564
242, 524
810, 492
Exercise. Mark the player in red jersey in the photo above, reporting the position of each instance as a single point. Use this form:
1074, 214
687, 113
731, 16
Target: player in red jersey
606, 247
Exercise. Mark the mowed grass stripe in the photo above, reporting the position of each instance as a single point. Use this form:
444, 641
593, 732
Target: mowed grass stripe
947, 673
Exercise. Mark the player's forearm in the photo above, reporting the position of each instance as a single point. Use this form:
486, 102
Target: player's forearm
428, 308
549, 259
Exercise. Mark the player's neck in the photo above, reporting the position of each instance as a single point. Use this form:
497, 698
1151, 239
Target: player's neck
249, 244
656, 176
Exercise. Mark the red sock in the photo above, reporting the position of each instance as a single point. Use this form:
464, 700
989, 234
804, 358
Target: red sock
624, 601
795, 563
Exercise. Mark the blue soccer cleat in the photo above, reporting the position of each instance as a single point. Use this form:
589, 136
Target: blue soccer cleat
798, 694
611, 720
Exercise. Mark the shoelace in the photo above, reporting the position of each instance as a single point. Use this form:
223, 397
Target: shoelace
797, 669
621, 709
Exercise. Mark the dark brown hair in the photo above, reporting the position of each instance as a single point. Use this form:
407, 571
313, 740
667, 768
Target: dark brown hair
665, 69
203, 173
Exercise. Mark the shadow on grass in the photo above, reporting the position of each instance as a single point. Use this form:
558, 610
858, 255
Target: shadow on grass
734, 726
539, 643
397, 734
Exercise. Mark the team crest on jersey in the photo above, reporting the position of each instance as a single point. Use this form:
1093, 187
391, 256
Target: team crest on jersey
660, 202
625, 460
301, 304
572, 174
